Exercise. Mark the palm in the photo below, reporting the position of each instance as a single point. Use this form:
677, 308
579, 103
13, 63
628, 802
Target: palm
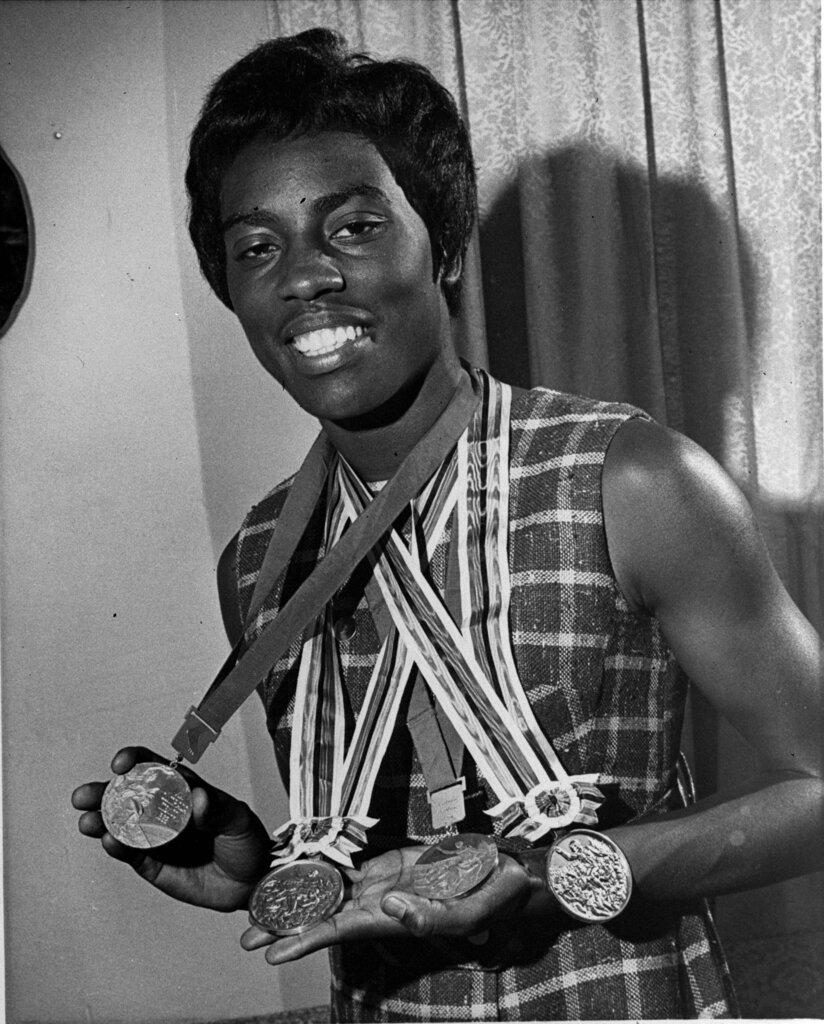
388, 872
363, 914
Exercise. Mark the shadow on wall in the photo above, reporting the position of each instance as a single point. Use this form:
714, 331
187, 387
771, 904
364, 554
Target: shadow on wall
594, 283
617, 287
597, 284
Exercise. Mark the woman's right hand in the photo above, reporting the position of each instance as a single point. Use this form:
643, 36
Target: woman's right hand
215, 862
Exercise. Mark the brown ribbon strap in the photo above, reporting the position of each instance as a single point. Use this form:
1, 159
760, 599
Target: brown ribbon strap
237, 681
437, 744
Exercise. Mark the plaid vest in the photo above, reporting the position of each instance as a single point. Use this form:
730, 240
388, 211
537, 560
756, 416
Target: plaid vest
610, 696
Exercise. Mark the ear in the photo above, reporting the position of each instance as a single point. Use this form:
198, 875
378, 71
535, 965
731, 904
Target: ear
451, 270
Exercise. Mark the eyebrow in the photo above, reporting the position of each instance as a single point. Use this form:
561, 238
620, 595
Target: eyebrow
320, 206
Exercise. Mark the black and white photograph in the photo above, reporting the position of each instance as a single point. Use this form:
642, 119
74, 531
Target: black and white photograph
412, 502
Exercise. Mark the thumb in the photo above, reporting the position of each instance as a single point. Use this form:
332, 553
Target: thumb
220, 814
419, 916
201, 808
212, 811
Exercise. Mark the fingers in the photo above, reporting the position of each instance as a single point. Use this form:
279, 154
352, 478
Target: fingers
293, 947
256, 938
88, 796
220, 814
90, 823
200, 808
290, 947
217, 812
420, 917
501, 897
348, 924
118, 851
127, 757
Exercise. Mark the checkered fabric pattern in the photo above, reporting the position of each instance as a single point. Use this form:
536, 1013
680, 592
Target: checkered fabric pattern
609, 694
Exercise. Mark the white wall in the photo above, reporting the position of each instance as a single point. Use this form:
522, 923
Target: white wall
136, 430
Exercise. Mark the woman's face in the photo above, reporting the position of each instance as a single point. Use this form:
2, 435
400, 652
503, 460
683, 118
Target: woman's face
330, 273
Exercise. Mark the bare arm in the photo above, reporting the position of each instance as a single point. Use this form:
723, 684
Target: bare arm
685, 548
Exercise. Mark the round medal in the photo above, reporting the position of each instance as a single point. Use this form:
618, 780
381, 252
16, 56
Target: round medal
294, 897
148, 806
455, 867
589, 876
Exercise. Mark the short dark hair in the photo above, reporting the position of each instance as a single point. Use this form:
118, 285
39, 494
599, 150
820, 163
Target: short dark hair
310, 83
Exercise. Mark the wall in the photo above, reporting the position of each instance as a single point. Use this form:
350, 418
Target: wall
126, 461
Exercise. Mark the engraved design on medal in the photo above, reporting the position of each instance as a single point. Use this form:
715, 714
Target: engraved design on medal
455, 867
590, 876
148, 806
294, 897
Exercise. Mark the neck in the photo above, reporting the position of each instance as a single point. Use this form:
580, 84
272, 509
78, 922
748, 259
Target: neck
376, 446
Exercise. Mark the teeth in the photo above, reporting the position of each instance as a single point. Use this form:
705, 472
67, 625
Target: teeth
319, 343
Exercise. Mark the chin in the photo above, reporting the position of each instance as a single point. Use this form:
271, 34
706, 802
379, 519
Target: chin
335, 408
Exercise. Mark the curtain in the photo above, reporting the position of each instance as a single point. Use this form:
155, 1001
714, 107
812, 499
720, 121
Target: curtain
649, 231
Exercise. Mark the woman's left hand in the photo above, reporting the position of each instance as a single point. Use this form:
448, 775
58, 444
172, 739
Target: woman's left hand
380, 904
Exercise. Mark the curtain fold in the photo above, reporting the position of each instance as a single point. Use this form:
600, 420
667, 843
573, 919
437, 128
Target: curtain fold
649, 231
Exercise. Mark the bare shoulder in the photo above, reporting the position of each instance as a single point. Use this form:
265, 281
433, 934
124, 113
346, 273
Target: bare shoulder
674, 518
685, 547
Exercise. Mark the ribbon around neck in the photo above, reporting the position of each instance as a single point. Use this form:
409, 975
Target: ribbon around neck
240, 675
466, 661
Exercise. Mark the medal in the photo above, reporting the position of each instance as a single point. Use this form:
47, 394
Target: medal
589, 876
295, 897
457, 866
148, 806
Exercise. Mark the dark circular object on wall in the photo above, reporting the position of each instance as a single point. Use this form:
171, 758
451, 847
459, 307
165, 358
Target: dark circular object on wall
16, 243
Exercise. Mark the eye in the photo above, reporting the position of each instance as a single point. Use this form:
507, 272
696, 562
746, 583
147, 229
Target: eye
257, 252
357, 229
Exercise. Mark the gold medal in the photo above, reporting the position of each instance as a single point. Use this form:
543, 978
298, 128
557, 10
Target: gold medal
148, 806
455, 867
294, 897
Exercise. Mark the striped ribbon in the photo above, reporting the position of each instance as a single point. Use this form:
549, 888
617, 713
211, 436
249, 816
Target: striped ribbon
329, 793
469, 666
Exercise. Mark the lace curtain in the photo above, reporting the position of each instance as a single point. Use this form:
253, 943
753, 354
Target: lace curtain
649, 231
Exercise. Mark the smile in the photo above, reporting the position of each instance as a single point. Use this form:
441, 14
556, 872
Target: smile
325, 340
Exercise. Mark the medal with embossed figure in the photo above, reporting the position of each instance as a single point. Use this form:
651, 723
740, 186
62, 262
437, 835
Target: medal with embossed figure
589, 875
148, 806
457, 866
294, 897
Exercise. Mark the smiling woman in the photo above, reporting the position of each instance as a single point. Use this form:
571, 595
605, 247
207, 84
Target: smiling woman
138, 428
329, 270
491, 652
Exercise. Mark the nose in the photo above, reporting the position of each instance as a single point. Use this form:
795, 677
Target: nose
309, 274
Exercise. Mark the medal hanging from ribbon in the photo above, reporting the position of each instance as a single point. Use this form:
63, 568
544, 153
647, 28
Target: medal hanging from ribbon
470, 669
482, 546
329, 791
468, 666
152, 803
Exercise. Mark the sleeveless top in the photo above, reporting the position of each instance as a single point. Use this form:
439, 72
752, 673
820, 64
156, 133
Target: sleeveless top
609, 694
